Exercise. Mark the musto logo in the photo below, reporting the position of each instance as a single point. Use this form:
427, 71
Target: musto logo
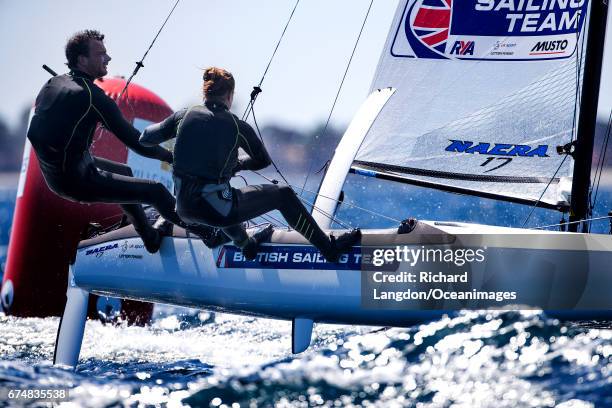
489, 29
550, 47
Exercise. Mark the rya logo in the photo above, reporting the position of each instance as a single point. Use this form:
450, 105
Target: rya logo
463, 48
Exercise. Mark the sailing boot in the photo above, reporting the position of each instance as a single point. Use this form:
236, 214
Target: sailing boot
302, 221
152, 239
211, 237
250, 249
150, 235
342, 244
153, 236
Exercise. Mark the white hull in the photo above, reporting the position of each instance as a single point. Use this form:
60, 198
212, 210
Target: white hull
187, 273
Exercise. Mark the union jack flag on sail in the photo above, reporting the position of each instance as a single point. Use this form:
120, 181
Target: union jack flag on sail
431, 23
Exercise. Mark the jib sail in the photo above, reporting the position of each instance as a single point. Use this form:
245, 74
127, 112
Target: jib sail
485, 92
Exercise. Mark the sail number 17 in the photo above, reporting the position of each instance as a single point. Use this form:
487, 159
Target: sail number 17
494, 160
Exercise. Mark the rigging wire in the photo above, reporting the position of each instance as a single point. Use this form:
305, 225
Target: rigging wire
371, 212
535, 205
573, 222
381, 215
577, 104
314, 207
260, 137
257, 89
140, 64
250, 110
326, 214
274, 221
337, 94
268, 218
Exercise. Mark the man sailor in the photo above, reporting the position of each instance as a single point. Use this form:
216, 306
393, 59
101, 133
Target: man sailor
67, 111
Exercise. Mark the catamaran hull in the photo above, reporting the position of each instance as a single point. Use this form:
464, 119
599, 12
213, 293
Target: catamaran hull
187, 273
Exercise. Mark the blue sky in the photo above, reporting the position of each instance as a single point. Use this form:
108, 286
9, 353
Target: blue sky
239, 35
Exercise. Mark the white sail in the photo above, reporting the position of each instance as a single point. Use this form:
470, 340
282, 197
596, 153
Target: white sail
485, 92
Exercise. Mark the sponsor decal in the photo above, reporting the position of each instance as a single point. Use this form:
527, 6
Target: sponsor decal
287, 257
504, 48
497, 149
99, 251
463, 48
477, 29
130, 256
549, 47
127, 245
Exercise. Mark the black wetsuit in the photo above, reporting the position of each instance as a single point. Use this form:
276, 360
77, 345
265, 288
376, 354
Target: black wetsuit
206, 157
68, 109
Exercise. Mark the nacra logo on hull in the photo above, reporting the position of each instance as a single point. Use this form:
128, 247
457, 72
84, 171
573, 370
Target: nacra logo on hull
100, 250
497, 149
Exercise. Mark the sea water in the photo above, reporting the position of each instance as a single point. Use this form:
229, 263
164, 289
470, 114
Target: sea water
188, 357
192, 358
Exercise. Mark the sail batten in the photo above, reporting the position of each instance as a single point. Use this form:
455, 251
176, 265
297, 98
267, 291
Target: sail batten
463, 115
455, 176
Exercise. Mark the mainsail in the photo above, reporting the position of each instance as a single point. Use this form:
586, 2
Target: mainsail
485, 92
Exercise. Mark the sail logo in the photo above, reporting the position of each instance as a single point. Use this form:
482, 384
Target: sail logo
544, 47
473, 30
497, 149
463, 48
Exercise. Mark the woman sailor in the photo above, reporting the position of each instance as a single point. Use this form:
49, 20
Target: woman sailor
206, 157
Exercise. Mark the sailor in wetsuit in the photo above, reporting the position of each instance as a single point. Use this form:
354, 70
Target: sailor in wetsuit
67, 111
206, 157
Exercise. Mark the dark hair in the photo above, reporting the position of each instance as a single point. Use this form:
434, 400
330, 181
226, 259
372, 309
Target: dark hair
217, 83
78, 44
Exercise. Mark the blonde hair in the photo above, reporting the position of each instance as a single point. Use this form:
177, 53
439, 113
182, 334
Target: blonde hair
217, 83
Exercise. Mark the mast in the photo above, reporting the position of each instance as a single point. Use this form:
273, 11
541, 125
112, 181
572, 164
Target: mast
588, 114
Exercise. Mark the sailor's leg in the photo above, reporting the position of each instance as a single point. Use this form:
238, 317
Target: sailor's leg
114, 184
134, 212
248, 244
253, 201
72, 325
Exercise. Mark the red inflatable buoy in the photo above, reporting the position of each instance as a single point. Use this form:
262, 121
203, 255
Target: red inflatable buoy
46, 228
